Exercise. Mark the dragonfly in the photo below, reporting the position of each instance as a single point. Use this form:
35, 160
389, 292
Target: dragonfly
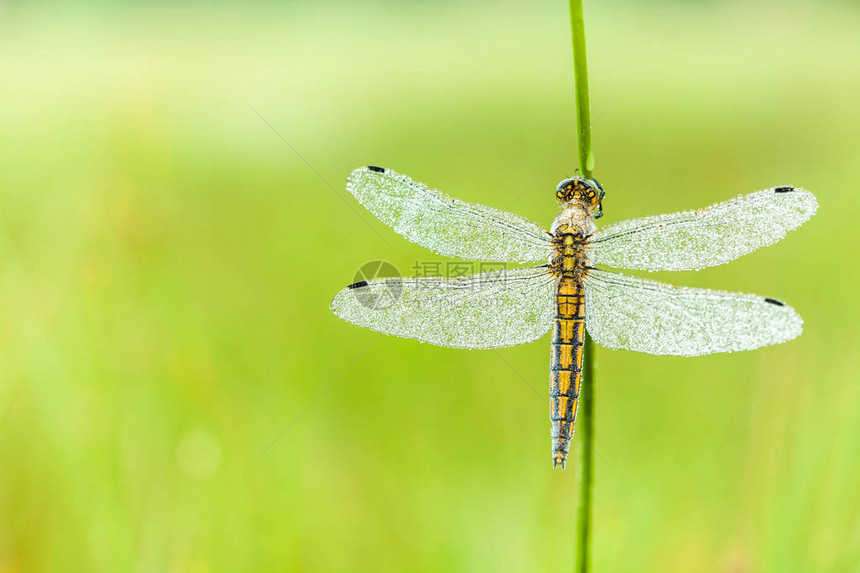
569, 292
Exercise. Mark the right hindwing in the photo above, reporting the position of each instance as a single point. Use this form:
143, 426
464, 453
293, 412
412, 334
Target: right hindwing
657, 318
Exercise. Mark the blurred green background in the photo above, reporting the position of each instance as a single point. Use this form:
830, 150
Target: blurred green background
167, 262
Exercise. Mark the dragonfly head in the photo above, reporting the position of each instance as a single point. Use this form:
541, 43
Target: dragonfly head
587, 193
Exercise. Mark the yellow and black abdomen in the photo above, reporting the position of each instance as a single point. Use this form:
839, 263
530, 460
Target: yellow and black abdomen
566, 365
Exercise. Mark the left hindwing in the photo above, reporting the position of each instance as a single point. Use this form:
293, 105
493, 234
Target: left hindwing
487, 310
692, 240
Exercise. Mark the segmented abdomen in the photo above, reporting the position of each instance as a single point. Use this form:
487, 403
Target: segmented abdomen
565, 365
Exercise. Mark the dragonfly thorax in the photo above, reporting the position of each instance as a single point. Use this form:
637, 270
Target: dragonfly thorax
574, 218
569, 257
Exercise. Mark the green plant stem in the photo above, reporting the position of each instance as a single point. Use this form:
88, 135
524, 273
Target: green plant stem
585, 422
580, 74
585, 427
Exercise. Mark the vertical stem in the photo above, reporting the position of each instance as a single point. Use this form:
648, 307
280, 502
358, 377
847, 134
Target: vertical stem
585, 423
580, 73
585, 427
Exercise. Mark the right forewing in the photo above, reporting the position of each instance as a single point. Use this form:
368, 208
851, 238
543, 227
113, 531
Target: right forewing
692, 240
656, 318
446, 225
486, 310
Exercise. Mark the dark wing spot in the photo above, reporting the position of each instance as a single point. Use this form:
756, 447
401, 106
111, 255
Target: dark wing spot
783, 190
360, 284
377, 169
774, 301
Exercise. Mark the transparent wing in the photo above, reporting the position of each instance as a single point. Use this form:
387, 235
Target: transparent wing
657, 318
692, 240
446, 225
485, 310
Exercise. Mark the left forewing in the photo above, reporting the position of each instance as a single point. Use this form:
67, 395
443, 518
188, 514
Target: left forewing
487, 310
692, 240
656, 318
446, 225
